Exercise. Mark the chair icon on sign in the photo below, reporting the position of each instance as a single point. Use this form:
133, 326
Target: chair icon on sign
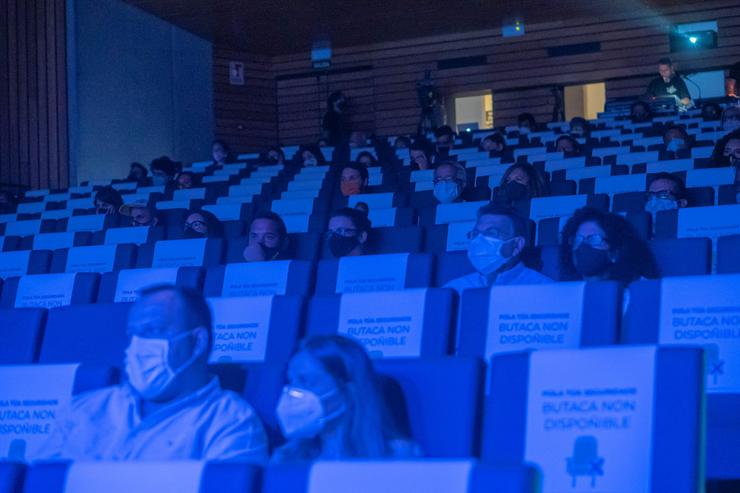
585, 460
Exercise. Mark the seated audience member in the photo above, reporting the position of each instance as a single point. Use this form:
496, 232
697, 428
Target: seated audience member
353, 179
322, 142
598, 245
202, 224
274, 155
268, 238
139, 174
163, 171
731, 118
140, 213
334, 125
402, 143
727, 150
185, 180
444, 142
450, 180
521, 181
367, 159
333, 408
348, 233
668, 84
310, 156
526, 123
420, 156
495, 250
568, 146
665, 192
711, 112
221, 154
170, 408
579, 127
363, 207
357, 139
108, 201
8, 202
494, 143
676, 139
640, 112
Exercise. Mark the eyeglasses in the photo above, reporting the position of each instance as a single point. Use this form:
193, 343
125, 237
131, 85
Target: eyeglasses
590, 240
195, 224
342, 232
450, 179
493, 233
661, 194
734, 153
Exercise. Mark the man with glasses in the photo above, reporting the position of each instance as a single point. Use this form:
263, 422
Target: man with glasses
496, 245
665, 192
170, 407
348, 233
449, 182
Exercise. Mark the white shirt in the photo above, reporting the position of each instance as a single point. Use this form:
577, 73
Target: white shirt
209, 424
519, 274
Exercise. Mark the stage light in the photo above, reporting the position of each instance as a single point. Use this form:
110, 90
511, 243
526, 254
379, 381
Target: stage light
515, 28
693, 39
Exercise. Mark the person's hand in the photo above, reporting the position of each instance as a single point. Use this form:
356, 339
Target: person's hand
254, 253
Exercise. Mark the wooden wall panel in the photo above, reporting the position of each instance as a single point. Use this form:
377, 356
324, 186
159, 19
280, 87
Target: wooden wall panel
517, 70
33, 94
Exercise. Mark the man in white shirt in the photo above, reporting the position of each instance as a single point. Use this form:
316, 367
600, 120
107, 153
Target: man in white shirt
497, 242
170, 408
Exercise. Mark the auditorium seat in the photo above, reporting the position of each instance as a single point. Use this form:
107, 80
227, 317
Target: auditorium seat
121, 286
200, 252
400, 477
95, 258
451, 265
698, 311
584, 424
682, 256
12, 475
539, 316
292, 277
143, 477
419, 321
53, 241
22, 262
391, 272
49, 290
21, 331
130, 234
728, 259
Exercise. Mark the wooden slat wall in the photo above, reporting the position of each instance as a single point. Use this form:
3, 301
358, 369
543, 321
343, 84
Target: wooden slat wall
246, 116
33, 93
517, 70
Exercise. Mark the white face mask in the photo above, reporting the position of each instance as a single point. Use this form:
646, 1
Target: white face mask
302, 414
147, 365
485, 254
657, 204
675, 145
446, 191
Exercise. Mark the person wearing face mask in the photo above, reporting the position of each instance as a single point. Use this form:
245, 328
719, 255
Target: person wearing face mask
170, 407
202, 224
185, 180
568, 146
268, 238
334, 126
665, 192
676, 139
353, 179
333, 408
520, 183
274, 155
526, 123
108, 201
495, 144
727, 151
163, 170
601, 246
497, 243
366, 159
443, 144
579, 127
420, 156
140, 213
449, 182
640, 112
348, 233
310, 156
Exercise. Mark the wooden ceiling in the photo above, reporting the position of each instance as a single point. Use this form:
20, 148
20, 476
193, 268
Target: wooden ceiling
274, 27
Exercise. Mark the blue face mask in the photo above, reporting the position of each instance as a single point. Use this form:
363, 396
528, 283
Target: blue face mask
485, 254
446, 191
675, 145
657, 204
